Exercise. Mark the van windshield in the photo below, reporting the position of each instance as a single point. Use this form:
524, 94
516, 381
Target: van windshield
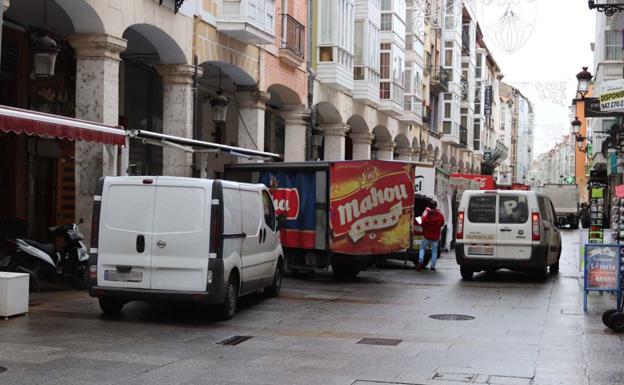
513, 209
482, 209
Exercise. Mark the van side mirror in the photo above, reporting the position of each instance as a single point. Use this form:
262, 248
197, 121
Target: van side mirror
281, 220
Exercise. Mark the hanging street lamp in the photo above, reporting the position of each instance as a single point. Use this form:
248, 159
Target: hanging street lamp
44, 52
584, 79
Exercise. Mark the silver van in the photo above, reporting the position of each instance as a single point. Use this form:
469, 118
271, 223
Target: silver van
507, 229
182, 239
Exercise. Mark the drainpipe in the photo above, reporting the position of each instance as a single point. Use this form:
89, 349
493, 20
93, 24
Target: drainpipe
1, 13
311, 77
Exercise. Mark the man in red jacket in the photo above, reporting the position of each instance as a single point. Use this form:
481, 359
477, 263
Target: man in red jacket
432, 223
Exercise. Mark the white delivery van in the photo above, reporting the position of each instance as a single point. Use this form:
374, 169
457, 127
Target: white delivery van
507, 229
172, 238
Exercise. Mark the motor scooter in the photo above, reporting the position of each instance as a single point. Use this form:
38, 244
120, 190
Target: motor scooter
43, 261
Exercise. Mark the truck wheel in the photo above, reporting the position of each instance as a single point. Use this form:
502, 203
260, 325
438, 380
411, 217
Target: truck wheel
606, 315
111, 306
466, 273
228, 308
345, 270
276, 286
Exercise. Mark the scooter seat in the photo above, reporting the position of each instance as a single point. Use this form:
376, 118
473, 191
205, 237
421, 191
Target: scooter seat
47, 248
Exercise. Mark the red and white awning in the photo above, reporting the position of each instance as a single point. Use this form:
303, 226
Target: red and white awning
20, 121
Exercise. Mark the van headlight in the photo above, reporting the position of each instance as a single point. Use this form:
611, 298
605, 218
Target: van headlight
209, 278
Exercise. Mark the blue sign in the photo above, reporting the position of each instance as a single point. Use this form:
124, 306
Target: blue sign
294, 196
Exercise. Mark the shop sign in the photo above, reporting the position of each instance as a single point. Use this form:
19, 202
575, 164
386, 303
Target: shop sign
488, 101
371, 207
485, 182
612, 169
602, 265
424, 182
619, 191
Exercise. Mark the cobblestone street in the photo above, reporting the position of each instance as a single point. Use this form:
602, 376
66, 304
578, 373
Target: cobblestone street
523, 332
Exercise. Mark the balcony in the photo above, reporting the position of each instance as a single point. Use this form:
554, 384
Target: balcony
249, 21
413, 110
440, 80
292, 47
391, 100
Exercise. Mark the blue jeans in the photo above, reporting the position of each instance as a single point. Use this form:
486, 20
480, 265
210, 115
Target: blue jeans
434, 251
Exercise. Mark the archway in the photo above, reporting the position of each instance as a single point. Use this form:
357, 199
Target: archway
328, 140
285, 123
383, 146
244, 119
403, 150
359, 140
416, 150
154, 97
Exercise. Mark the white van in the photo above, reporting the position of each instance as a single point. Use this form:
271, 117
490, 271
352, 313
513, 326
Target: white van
171, 238
507, 229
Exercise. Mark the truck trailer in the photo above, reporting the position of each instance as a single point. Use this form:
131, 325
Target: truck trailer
344, 214
565, 198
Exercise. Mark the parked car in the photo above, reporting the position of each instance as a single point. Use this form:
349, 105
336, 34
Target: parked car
182, 239
509, 229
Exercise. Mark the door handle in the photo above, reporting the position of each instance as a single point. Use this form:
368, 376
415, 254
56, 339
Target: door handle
505, 229
263, 235
161, 243
140, 243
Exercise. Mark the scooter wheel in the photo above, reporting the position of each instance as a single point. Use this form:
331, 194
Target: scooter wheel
606, 315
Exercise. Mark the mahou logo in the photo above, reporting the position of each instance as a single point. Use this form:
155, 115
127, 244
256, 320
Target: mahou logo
286, 201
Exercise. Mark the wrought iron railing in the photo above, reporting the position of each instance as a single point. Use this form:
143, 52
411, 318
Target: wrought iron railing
293, 38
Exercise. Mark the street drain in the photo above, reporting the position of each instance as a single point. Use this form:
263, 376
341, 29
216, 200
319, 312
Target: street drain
379, 341
3, 369
452, 317
234, 340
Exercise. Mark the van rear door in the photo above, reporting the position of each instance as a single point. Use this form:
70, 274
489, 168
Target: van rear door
181, 238
514, 226
480, 226
126, 219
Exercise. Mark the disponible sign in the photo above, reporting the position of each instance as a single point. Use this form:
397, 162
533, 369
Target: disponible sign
371, 206
612, 95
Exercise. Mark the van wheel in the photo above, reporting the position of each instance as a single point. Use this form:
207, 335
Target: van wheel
554, 268
466, 273
539, 273
228, 308
276, 287
111, 306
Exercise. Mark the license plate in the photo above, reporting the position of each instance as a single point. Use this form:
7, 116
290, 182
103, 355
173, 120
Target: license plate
123, 276
480, 250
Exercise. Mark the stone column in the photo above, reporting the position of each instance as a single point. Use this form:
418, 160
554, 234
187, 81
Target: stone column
385, 151
251, 106
177, 115
416, 153
5, 6
97, 100
334, 140
405, 154
362, 145
296, 122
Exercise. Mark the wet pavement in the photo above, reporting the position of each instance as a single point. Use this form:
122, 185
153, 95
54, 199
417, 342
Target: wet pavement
523, 332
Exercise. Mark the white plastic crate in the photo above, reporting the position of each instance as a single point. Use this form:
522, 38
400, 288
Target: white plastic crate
13, 294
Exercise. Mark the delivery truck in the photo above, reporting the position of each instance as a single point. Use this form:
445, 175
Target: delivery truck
565, 198
344, 214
